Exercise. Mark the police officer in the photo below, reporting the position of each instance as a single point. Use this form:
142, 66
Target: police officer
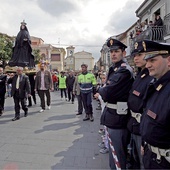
155, 122
115, 93
136, 102
87, 83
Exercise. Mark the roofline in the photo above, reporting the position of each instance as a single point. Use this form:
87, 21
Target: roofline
141, 6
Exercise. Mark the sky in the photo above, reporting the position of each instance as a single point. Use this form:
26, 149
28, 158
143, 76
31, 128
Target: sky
85, 24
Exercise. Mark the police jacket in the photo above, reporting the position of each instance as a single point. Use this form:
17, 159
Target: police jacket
119, 82
86, 81
136, 101
155, 123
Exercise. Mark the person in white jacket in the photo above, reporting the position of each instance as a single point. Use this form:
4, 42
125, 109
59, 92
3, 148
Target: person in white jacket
104, 144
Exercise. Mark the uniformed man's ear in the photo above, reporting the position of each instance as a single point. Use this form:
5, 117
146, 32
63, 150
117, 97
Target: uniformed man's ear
124, 53
168, 61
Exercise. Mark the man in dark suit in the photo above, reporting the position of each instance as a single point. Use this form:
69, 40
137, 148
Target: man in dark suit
20, 91
3, 78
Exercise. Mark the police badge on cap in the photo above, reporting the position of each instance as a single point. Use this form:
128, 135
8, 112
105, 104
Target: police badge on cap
114, 44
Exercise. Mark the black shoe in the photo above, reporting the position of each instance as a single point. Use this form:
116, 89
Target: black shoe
72, 102
15, 118
29, 105
1, 112
91, 118
86, 118
26, 114
79, 114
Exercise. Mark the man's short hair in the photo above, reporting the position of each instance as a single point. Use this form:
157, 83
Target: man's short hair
85, 65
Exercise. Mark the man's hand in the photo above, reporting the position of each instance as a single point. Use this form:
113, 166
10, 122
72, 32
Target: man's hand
29, 95
96, 95
51, 89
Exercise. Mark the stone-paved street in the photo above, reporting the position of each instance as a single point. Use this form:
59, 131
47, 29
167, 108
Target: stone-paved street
54, 139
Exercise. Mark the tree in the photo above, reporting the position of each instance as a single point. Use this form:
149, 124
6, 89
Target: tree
6, 43
36, 53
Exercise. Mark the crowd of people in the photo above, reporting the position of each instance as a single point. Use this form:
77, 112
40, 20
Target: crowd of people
135, 111
134, 107
143, 26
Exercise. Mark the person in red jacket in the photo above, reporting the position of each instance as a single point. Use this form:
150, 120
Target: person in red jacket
55, 80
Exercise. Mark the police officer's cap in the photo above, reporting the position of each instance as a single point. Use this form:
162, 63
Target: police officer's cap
85, 65
114, 44
151, 48
137, 48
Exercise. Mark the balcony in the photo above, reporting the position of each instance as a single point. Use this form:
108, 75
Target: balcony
167, 25
152, 33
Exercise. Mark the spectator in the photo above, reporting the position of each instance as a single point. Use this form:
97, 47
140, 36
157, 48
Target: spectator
158, 20
55, 80
69, 82
76, 91
62, 85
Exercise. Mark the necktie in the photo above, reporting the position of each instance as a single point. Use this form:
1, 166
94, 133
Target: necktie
17, 83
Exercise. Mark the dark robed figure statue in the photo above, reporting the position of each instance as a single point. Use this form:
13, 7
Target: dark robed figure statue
22, 51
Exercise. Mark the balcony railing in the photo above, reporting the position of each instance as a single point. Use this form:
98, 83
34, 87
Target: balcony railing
151, 33
167, 25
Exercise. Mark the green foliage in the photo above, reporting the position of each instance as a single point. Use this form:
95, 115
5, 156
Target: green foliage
6, 44
36, 53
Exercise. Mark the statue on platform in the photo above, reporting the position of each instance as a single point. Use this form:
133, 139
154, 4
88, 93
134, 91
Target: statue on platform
22, 51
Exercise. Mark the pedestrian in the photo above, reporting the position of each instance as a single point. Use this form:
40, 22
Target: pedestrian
55, 80
87, 82
104, 144
33, 96
77, 93
3, 79
20, 91
69, 83
43, 85
155, 126
115, 115
136, 103
62, 85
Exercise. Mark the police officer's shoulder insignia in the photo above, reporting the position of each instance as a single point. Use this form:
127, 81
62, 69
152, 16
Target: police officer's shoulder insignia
143, 75
123, 65
151, 114
159, 87
136, 93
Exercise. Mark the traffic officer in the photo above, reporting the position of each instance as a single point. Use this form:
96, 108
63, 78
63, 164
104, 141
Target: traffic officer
115, 93
136, 102
155, 122
87, 83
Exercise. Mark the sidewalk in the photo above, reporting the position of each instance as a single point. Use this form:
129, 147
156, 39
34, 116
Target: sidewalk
54, 139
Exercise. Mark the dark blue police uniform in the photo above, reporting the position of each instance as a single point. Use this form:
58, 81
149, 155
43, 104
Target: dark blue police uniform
155, 122
115, 114
136, 106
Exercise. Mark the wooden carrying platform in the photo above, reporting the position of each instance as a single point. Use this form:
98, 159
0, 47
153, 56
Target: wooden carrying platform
26, 70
